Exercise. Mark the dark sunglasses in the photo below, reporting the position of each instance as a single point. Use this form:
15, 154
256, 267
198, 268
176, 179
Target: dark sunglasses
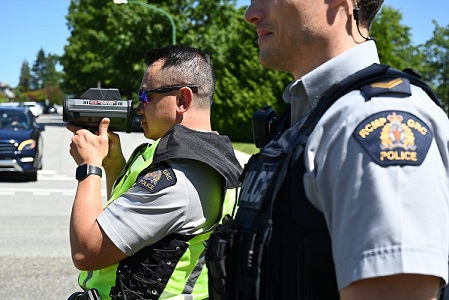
144, 94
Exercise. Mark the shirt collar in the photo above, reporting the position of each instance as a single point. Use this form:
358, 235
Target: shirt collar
303, 94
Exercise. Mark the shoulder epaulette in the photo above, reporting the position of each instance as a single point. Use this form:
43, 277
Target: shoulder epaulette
396, 85
387, 79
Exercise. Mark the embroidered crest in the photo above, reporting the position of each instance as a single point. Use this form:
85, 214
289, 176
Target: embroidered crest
158, 178
394, 138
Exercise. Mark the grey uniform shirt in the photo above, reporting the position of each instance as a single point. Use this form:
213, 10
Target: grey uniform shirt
140, 217
388, 216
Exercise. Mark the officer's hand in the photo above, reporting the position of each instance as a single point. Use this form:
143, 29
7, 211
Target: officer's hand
115, 158
89, 148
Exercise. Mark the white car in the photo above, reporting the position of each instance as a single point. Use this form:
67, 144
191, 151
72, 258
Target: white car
35, 108
10, 104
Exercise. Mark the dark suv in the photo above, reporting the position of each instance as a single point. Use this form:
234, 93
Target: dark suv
20, 142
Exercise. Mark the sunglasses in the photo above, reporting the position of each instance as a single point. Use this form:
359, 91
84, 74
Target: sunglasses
144, 94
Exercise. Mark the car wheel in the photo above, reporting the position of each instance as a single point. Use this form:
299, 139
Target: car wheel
31, 176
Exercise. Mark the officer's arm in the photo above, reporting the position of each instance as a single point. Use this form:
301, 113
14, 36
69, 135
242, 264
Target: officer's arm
403, 286
91, 247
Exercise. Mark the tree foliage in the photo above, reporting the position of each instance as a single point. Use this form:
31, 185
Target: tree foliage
42, 81
437, 61
39, 71
107, 45
52, 76
25, 77
430, 59
393, 40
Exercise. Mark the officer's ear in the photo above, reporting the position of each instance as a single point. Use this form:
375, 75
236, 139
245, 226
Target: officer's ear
184, 101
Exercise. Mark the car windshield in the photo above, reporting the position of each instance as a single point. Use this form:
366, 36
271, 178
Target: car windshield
14, 120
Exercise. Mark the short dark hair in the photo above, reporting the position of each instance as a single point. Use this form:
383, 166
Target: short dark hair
186, 65
368, 11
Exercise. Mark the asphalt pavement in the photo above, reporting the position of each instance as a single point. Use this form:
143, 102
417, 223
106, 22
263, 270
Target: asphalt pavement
35, 258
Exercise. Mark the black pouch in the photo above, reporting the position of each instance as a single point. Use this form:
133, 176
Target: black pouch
218, 259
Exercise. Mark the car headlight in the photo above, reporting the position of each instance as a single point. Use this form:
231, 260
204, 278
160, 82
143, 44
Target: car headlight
27, 145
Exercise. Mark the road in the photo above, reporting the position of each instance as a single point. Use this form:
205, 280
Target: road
35, 258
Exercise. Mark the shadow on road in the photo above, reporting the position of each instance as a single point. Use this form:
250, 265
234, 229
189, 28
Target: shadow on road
12, 177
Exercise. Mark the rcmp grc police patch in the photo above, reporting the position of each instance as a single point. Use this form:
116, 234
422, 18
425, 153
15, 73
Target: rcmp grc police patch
394, 138
157, 178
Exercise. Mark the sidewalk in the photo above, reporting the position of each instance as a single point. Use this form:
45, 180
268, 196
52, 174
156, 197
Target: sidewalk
242, 157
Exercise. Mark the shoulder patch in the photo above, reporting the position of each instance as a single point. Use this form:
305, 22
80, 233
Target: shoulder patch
396, 85
157, 178
394, 138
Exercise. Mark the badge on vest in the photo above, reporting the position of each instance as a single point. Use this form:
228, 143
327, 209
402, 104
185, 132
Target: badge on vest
394, 138
158, 178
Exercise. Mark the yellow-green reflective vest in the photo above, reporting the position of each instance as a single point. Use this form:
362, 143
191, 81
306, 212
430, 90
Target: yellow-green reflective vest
190, 264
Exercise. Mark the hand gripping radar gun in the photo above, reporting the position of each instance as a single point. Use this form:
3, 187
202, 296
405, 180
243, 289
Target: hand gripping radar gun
96, 104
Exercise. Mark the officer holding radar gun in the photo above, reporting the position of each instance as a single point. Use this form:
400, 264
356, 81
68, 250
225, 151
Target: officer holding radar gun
148, 241
349, 195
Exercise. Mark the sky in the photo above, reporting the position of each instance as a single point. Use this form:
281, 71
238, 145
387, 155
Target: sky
27, 26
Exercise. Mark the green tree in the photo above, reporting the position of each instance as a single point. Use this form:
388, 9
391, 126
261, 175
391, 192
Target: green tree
3, 97
107, 45
25, 77
437, 61
38, 71
44, 71
54, 94
52, 76
393, 40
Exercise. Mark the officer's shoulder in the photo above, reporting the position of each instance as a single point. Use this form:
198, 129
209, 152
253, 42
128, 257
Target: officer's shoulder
157, 177
397, 83
398, 86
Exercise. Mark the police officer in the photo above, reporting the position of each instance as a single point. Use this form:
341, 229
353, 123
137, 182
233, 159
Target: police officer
362, 210
148, 241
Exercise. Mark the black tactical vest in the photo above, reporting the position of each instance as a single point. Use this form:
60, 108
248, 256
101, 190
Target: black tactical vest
283, 245
145, 274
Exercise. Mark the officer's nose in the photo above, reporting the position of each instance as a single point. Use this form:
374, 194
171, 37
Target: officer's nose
139, 109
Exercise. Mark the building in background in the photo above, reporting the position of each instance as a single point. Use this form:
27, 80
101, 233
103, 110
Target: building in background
7, 91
